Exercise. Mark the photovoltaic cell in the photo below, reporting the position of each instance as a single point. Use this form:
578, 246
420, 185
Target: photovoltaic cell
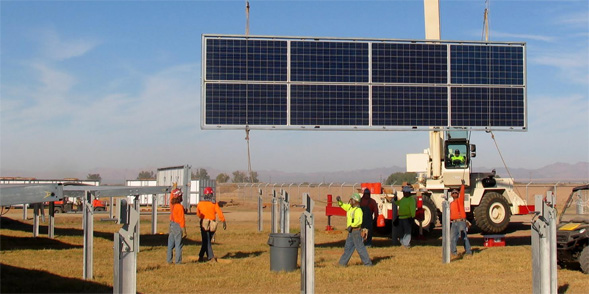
345, 62
329, 105
241, 104
246, 60
409, 63
487, 65
409, 106
494, 107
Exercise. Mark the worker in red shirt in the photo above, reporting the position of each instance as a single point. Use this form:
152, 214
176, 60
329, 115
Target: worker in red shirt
370, 213
208, 210
177, 226
458, 228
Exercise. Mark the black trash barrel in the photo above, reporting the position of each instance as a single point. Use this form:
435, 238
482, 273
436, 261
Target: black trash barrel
284, 249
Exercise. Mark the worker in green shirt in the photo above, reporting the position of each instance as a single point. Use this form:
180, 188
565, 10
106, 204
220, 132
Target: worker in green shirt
407, 207
354, 241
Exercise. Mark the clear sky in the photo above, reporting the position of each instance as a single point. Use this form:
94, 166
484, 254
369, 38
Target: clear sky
90, 85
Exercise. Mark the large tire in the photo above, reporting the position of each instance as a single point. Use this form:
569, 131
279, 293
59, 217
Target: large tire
493, 213
430, 215
584, 260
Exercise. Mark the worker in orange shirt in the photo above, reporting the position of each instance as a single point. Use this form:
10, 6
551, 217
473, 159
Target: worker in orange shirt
177, 226
208, 210
458, 228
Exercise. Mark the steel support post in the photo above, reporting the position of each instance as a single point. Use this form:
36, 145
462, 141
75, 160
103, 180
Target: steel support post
260, 204
125, 253
281, 212
51, 227
88, 223
110, 208
446, 232
307, 247
552, 215
137, 235
36, 220
544, 246
286, 213
274, 214
154, 214
25, 211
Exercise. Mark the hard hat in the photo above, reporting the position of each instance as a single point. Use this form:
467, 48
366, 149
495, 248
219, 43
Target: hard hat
454, 191
208, 190
407, 189
356, 197
176, 193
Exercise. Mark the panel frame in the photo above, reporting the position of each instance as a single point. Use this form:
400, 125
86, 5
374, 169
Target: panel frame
370, 127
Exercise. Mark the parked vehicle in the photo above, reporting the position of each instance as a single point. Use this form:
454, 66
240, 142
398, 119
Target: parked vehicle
74, 204
490, 201
572, 236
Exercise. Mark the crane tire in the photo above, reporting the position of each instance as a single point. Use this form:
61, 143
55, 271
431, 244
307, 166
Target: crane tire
493, 213
584, 260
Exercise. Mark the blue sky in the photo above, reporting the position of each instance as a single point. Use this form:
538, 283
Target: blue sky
95, 85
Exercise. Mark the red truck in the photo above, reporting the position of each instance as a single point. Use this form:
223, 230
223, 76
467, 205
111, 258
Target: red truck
66, 205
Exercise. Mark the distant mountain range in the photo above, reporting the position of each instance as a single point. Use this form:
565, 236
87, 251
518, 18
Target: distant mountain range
563, 172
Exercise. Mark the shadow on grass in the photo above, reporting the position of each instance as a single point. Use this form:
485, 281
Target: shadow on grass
162, 240
18, 280
15, 225
434, 238
240, 255
23, 243
378, 259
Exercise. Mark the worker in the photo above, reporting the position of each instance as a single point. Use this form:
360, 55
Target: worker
354, 240
459, 224
207, 211
177, 226
407, 207
457, 158
370, 213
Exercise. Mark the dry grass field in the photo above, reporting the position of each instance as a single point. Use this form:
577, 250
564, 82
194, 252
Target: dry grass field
42, 265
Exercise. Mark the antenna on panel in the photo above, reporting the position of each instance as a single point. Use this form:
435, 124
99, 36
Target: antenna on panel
486, 20
247, 17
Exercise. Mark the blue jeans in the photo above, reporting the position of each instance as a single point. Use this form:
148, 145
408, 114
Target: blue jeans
175, 241
354, 241
206, 246
404, 230
458, 230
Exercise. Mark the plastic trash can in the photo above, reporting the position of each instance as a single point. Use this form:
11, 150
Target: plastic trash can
284, 249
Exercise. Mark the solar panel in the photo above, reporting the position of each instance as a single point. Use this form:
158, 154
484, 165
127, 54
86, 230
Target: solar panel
409, 106
409, 63
329, 105
481, 107
268, 82
344, 62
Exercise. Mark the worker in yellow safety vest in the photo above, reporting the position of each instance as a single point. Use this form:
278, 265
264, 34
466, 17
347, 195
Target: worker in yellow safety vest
354, 241
457, 158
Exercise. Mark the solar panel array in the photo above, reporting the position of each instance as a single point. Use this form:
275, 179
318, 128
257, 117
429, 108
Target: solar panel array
300, 83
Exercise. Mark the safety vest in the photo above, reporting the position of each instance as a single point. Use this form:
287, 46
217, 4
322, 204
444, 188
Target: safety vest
353, 215
459, 157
